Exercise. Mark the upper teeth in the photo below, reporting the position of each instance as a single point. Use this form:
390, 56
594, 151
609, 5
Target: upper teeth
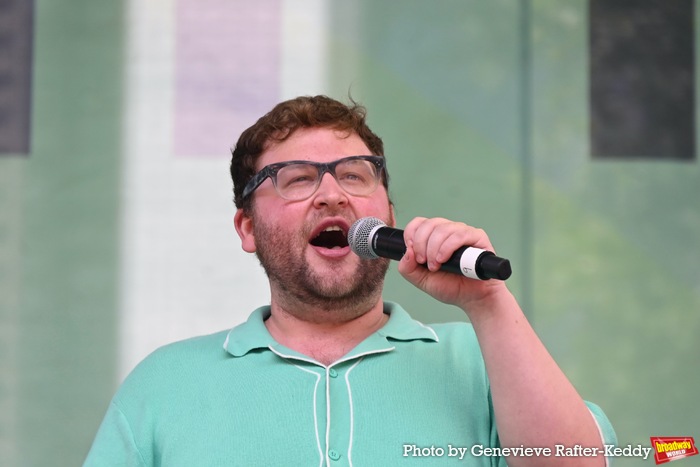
332, 228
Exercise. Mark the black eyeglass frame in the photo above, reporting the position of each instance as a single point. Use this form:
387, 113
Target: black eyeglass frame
323, 167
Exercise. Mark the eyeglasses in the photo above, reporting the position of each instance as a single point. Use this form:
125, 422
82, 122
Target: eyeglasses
298, 180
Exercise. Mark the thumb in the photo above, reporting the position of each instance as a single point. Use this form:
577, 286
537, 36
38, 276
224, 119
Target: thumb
410, 269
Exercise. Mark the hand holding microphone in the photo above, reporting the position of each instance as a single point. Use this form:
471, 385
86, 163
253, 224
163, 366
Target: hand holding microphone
371, 238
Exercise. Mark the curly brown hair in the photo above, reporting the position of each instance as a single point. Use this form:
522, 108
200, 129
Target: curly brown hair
287, 117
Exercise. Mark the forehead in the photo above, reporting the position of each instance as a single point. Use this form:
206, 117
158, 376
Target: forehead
314, 144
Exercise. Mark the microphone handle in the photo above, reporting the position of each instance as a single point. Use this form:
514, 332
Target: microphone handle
468, 261
388, 243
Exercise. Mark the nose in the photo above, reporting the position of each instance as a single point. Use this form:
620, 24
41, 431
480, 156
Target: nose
329, 192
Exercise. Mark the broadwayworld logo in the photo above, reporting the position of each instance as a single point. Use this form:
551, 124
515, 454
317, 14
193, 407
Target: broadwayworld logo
670, 449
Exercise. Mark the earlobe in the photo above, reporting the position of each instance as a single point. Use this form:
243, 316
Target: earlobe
244, 227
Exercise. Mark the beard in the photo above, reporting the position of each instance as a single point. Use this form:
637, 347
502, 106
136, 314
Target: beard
301, 287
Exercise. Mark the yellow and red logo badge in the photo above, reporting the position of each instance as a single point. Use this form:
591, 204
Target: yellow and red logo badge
670, 449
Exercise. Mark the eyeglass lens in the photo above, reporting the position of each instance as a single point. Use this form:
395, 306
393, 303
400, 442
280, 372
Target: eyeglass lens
298, 181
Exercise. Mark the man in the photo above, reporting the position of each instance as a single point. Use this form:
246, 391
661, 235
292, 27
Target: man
329, 373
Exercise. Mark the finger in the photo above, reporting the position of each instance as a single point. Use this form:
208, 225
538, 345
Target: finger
462, 235
408, 262
410, 229
422, 232
411, 270
439, 247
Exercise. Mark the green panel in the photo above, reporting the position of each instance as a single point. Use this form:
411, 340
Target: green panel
440, 81
614, 279
616, 246
11, 176
64, 342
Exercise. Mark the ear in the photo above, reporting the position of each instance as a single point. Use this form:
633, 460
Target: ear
244, 227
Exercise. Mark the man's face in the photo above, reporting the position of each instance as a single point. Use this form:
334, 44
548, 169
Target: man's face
301, 244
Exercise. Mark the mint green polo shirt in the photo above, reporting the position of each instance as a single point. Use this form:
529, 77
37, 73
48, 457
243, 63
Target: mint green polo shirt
408, 394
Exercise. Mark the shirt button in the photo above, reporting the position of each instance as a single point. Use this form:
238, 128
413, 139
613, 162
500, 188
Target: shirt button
333, 374
334, 455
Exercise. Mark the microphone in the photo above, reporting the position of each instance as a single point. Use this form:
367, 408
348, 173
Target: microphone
371, 238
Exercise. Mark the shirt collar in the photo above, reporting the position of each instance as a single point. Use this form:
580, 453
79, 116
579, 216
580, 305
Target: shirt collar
250, 335
402, 327
253, 334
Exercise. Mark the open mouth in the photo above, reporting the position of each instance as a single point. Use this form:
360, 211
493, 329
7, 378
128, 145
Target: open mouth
331, 237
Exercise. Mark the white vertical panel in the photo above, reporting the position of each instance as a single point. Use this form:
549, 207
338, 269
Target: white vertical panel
183, 271
304, 48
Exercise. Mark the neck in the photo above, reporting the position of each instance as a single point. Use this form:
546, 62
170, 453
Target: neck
324, 335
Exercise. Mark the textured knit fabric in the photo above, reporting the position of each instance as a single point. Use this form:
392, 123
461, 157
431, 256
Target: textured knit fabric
239, 398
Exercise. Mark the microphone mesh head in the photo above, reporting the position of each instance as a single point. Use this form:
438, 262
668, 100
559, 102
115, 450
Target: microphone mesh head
359, 236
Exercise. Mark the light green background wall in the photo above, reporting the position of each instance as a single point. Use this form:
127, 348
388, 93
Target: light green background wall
59, 333
483, 107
